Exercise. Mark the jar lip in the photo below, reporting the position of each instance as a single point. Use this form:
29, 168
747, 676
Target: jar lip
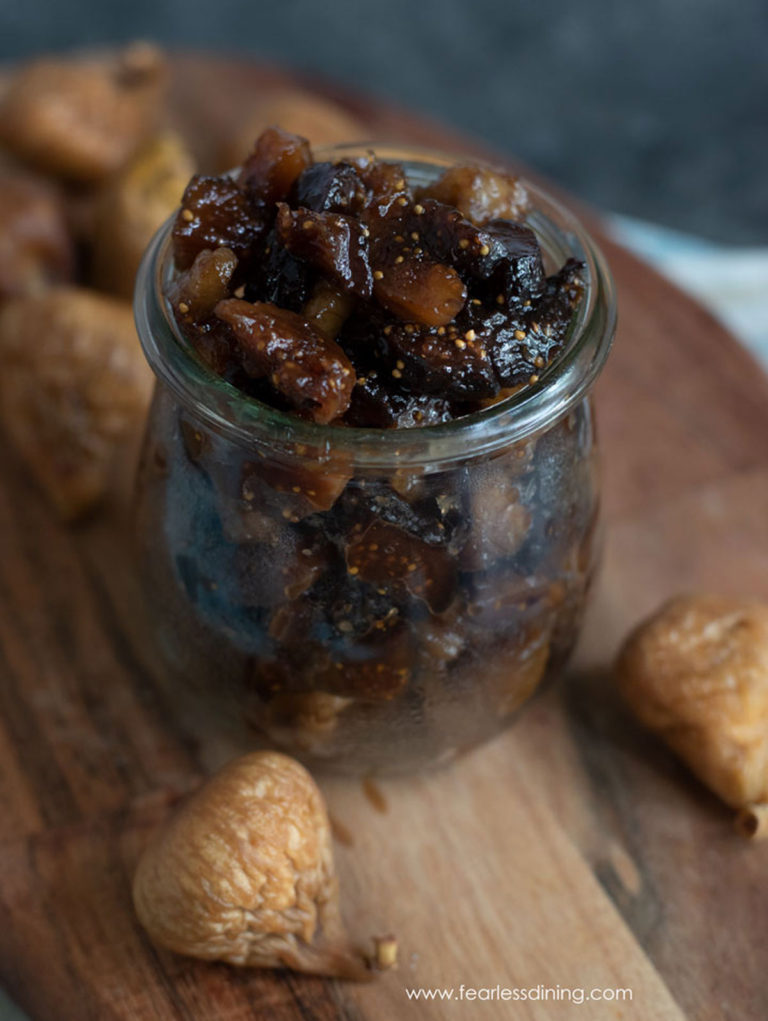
248, 422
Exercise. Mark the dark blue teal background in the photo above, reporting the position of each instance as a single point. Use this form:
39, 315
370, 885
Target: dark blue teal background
657, 109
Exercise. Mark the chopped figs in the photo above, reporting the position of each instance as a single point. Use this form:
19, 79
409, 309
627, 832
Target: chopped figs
405, 594
439, 300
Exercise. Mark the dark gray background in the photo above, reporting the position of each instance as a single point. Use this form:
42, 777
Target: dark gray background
656, 109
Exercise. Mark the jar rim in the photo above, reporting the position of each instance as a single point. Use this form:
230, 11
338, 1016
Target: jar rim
248, 422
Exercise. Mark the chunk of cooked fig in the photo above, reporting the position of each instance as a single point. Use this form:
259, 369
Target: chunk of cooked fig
523, 342
406, 279
438, 360
508, 252
277, 160
312, 372
278, 277
194, 295
480, 193
329, 188
305, 485
384, 553
417, 289
434, 515
562, 294
375, 405
519, 272
355, 609
328, 308
377, 667
335, 245
378, 676
389, 194
214, 213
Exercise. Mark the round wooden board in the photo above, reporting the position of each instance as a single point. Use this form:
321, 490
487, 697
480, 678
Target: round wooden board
573, 851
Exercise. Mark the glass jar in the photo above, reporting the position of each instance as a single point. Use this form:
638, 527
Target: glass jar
370, 600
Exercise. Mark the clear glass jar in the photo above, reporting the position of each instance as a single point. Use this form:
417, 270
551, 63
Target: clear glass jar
370, 600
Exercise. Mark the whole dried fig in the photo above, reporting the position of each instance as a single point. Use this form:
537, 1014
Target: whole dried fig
244, 873
35, 246
74, 388
82, 118
696, 673
131, 208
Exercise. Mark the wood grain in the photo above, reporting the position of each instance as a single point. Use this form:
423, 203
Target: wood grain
572, 850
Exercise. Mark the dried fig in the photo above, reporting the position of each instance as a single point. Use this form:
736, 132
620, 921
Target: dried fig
244, 873
131, 208
696, 673
82, 119
74, 388
36, 249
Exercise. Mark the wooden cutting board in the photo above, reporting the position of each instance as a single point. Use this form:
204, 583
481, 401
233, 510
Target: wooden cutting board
573, 851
